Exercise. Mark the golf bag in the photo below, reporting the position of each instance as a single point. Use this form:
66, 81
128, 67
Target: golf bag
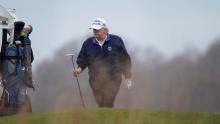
16, 70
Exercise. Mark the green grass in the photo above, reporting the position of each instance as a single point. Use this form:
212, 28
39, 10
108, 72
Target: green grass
112, 116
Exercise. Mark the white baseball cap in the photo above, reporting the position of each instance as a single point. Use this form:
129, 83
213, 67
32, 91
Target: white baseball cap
98, 23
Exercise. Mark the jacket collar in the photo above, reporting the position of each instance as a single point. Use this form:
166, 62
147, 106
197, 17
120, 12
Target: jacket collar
96, 42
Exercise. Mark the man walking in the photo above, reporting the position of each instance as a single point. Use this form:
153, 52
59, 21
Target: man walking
107, 59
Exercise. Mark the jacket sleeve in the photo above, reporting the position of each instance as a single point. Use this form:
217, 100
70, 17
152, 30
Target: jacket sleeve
125, 60
82, 59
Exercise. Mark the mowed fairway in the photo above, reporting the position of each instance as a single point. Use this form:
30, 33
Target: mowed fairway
112, 116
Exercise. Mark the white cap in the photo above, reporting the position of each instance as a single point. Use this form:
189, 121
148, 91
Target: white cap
98, 23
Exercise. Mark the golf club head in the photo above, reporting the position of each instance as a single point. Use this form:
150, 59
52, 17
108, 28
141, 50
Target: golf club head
70, 54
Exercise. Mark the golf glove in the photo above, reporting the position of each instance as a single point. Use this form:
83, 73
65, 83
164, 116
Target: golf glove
128, 83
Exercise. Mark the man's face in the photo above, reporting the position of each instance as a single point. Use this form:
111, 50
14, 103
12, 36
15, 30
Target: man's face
99, 33
27, 29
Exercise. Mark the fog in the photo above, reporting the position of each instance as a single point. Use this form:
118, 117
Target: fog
187, 81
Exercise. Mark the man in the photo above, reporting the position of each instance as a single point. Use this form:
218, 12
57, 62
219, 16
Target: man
28, 54
107, 59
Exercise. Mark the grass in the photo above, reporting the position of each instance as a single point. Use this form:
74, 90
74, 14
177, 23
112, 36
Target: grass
112, 116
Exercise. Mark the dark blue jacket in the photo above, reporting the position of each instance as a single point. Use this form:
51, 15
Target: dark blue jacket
111, 59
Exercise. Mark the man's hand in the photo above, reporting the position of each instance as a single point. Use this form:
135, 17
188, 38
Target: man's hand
128, 83
77, 71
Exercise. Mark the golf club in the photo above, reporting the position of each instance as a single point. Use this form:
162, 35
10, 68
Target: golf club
77, 80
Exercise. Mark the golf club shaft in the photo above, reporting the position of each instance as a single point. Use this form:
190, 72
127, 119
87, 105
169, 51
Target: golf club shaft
80, 92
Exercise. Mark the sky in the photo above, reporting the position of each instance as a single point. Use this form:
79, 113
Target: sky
168, 25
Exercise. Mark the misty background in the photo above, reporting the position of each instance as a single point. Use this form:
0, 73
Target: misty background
188, 81
174, 46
